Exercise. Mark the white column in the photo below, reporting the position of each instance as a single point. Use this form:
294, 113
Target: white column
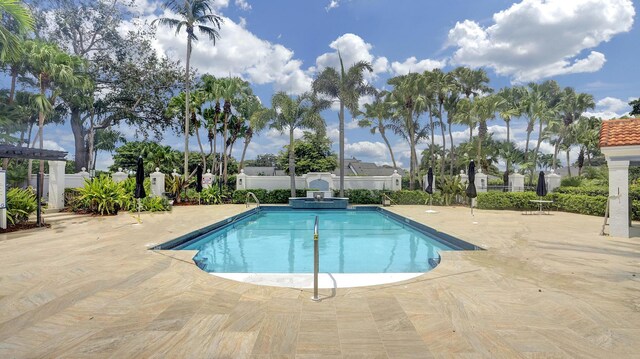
481, 181
157, 183
56, 185
119, 176
464, 179
516, 182
618, 198
396, 181
3, 199
84, 174
241, 180
207, 179
553, 181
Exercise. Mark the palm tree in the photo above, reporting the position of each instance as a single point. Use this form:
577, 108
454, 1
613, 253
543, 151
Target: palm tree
443, 85
472, 82
255, 116
451, 106
53, 69
407, 102
213, 91
346, 87
484, 109
231, 89
289, 114
508, 100
174, 109
193, 14
571, 107
22, 22
376, 116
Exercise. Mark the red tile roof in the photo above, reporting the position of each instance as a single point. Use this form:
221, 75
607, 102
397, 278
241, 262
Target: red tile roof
623, 132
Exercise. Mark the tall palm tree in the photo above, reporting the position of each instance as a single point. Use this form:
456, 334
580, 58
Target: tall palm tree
21, 22
407, 102
443, 84
464, 115
213, 91
289, 114
472, 82
255, 117
174, 109
571, 106
484, 109
451, 106
346, 87
232, 88
53, 69
376, 116
508, 100
192, 15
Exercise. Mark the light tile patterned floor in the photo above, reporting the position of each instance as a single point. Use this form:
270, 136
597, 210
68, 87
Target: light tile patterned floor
547, 286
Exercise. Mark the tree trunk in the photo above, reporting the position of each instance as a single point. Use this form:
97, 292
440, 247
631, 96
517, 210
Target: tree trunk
12, 91
508, 142
526, 145
444, 142
535, 154
386, 141
341, 130
40, 134
432, 129
202, 155
92, 151
556, 149
479, 154
79, 136
451, 153
292, 163
215, 139
470, 132
247, 139
412, 145
224, 147
186, 110
568, 161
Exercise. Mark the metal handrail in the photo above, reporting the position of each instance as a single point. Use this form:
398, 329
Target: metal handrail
316, 263
389, 198
251, 194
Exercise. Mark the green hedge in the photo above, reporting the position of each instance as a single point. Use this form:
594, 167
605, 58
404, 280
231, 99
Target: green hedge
634, 191
276, 196
593, 205
356, 196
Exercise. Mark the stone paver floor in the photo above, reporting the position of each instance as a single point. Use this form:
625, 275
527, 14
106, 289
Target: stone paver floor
547, 286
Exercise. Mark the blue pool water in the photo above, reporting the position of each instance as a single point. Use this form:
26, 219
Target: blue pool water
350, 242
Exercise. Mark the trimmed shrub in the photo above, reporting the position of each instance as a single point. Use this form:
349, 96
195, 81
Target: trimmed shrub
506, 200
103, 195
155, 204
574, 181
579, 203
21, 203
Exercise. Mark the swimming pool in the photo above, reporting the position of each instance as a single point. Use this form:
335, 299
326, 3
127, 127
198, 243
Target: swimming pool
280, 240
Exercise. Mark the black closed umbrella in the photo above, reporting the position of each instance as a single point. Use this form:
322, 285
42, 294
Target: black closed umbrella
541, 189
139, 192
471, 187
429, 189
199, 179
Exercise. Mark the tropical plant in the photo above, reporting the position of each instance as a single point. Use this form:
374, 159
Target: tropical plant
346, 87
176, 186
289, 114
21, 203
212, 195
508, 100
445, 86
254, 117
193, 15
102, 195
451, 188
312, 154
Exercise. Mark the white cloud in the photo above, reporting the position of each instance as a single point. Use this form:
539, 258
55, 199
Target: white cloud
366, 149
52, 145
243, 4
352, 49
535, 39
609, 107
332, 5
268, 63
413, 65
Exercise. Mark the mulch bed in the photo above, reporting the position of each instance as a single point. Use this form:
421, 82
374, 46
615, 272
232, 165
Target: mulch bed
23, 226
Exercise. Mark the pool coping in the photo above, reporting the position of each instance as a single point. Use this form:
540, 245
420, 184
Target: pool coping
325, 280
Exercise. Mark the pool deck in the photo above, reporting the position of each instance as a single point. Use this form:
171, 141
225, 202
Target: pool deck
547, 286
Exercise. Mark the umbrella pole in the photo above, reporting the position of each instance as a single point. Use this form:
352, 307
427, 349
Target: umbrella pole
139, 207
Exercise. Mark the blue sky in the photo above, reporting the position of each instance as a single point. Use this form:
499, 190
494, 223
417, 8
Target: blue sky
591, 45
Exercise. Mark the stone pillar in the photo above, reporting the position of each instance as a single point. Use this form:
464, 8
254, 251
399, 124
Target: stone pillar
56, 185
481, 181
157, 183
241, 180
119, 176
464, 179
516, 182
207, 179
619, 198
553, 181
396, 181
175, 173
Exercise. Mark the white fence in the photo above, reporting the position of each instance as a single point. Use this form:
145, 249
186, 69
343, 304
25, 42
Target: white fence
75, 180
321, 181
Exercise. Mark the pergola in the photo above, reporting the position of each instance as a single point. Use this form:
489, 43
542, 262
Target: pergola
620, 143
10, 151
